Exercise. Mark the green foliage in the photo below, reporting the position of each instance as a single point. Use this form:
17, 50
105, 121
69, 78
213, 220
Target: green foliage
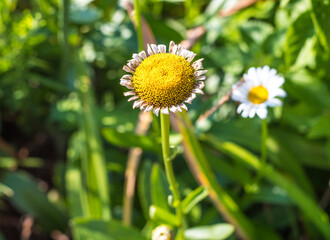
98, 230
212, 232
28, 198
61, 107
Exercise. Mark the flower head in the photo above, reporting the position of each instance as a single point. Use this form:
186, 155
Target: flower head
162, 232
162, 81
259, 90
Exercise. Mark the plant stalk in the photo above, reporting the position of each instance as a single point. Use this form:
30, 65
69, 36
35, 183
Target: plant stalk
165, 132
138, 24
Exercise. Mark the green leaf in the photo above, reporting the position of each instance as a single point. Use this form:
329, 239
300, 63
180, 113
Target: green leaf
164, 216
297, 34
131, 140
266, 194
28, 198
164, 30
5, 191
307, 152
159, 187
222, 200
193, 198
211, 232
321, 127
92, 153
307, 205
84, 228
144, 187
8, 162
321, 19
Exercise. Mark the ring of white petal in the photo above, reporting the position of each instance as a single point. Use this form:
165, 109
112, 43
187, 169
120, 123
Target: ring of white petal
163, 81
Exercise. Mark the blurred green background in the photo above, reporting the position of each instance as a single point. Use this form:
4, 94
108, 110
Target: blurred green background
66, 127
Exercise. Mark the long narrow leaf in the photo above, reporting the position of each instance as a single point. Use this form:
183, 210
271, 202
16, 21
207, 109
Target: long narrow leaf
302, 200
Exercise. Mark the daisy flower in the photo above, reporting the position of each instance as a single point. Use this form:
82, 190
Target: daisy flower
258, 91
161, 81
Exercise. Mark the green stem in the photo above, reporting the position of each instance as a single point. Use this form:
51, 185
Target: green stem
63, 38
138, 24
165, 131
264, 136
263, 157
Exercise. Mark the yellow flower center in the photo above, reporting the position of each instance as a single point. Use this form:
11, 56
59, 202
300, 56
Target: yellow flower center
164, 79
258, 95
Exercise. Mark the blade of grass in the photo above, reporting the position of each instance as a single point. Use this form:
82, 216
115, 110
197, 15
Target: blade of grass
202, 171
302, 200
94, 165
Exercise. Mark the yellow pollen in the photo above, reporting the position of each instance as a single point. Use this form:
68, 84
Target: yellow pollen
258, 95
163, 80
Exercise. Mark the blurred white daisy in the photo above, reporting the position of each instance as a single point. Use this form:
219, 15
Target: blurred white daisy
162, 232
259, 90
161, 81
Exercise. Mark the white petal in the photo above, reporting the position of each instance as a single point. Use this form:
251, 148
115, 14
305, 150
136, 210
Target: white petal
156, 111
133, 98
200, 78
191, 57
127, 84
137, 103
175, 48
137, 58
200, 84
125, 81
131, 65
190, 98
162, 48
280, 92
239, 94
184, 53
274, 102
246, 110
130, 93
198, 64
252, 112
143, 54
178, 108
154, 48
143, 106
178, 52
126, 77
165, 110
149, 50
262, 112
199, 73
149, 108
182, 105
127, 69
172, 44
173, 108
197, 90
241, 108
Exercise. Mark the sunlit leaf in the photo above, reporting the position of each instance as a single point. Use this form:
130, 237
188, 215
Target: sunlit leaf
84, 228
212, 232
131, 140
193, 198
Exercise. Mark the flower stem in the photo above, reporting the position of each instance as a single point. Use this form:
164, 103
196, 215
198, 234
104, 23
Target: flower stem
263, 158
264, 136
138, 24
165, 131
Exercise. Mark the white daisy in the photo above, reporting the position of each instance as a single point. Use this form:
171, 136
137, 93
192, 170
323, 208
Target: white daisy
259, 90
162, 232
161, 81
